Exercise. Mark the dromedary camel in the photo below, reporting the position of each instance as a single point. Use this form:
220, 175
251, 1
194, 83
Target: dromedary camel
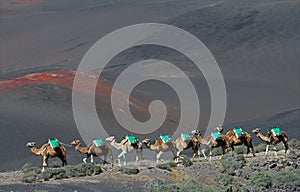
126, 147
271, 138
182, 144
232, 140
160, 147
210, 142
47, 151
92, 150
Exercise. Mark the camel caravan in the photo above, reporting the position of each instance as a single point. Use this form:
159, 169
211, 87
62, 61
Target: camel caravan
163, 143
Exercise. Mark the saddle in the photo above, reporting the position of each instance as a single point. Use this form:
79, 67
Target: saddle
276, 131
165, 138
54, 143
217, 135
186, 136
239, 132
98, 142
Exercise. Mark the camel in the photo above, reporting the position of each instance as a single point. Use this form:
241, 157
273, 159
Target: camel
160, 147
271, 138
92, 150
182, 144
126, 147
47, 151
232, 140
210, 142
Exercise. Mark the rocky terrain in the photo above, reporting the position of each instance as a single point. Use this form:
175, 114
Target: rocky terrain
232, 173
256, 44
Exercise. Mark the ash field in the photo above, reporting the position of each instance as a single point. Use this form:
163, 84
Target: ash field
256, 45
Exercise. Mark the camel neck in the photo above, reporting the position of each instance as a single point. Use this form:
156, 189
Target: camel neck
115, 144
79, 148
262, 137
35, 151
203, 140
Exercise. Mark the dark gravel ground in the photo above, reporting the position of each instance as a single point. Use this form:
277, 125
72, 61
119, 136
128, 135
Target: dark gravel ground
113, 180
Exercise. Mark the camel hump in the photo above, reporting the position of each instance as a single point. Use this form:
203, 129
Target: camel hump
54, 143
186, 136
98, 142
165, 138
277, 131
239, 132
133, 140
217, 135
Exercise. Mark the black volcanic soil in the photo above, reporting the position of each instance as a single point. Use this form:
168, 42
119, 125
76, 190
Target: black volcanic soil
113, 180
255, 43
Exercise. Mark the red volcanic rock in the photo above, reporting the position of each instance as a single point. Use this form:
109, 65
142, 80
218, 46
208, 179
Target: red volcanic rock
65, 79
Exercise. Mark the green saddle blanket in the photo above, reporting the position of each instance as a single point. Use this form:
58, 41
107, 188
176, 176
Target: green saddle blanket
277, 131
98, 142
54, 143
132, 139
186, 136
216, 135
239, 132
165, 138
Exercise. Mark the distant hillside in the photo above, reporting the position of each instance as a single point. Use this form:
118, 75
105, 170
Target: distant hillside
288, 121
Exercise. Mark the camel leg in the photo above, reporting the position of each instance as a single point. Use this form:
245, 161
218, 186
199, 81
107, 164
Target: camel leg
178, 155
252, 148
286, 147
267, 149
210, 154
63, 160
112, 159
253, 152
137, 155
198, 152
45, 160
194, 154
223, 152
275, 149
248, 151
92, 158
105, 157
119, 156
141, 153
232, 148
124, 158
203, 153
158, 157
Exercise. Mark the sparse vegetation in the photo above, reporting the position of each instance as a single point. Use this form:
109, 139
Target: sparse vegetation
286, 179
34, 174
294, 144
167, 166
186, 161
231, 162
240, 150
225, 180
260, 148
158, 185
55, 164
259, 181
129, 170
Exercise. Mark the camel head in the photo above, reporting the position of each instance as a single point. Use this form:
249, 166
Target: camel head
110, 139
194, 140
75, 142
146, 141
219, 129
256, 130
31, 144
195, 132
